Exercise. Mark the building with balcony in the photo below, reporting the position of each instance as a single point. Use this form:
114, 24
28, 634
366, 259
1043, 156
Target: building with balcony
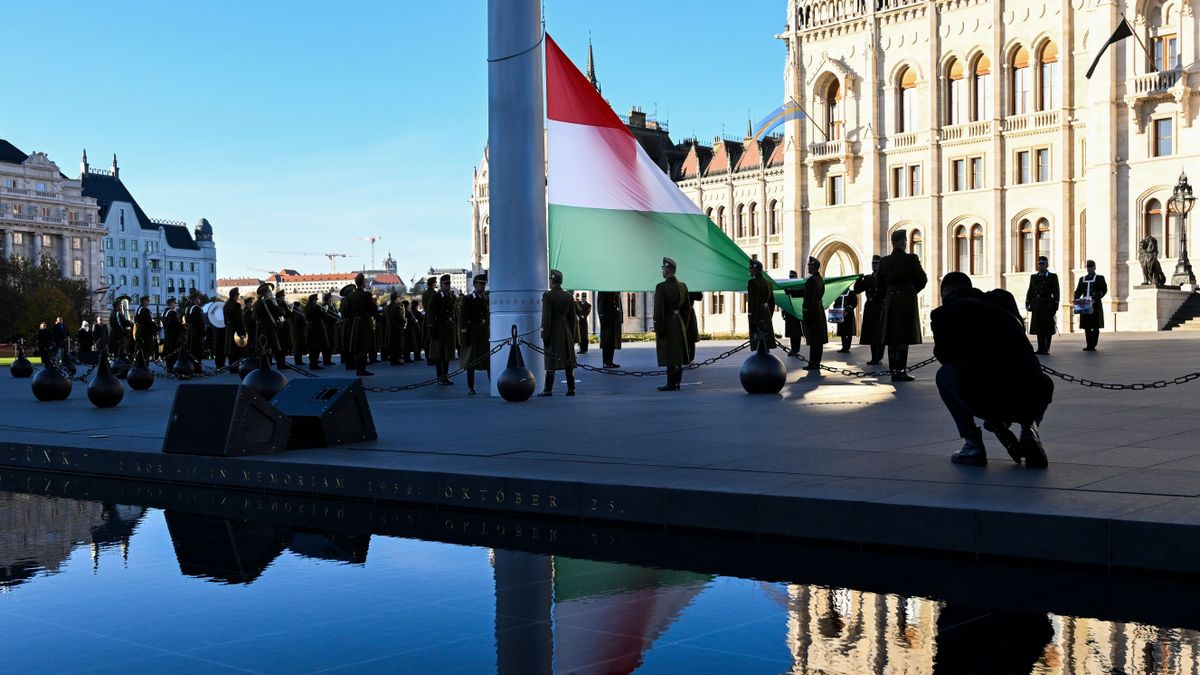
970, 126
45, 213
143, 256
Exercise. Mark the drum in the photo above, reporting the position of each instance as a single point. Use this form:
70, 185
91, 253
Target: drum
1082, 306
836, 315
215, 313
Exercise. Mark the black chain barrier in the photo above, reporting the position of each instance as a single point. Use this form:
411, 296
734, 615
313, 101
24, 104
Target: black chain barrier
641, 373
860, 373
1136, 386
428, 383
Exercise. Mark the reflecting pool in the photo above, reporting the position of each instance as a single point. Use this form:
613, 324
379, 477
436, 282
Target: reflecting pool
113, 576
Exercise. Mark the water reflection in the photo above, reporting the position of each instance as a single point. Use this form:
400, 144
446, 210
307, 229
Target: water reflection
565, 598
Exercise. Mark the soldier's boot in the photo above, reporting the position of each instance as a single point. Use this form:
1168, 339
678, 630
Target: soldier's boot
1031, 447
814, 357
570, 381
314, 361
972, 453
876, 355
470, 382
898, 362
548, 388
281, 361
845, 345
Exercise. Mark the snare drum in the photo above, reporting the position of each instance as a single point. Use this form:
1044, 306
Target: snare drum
836, 314
1082, 306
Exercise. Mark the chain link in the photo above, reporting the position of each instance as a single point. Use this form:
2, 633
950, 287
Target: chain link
861, 373
427, 383
642, 373
1135, 386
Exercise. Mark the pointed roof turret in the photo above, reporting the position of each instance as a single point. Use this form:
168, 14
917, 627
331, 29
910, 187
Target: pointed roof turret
591, 66
83, 165
116, 171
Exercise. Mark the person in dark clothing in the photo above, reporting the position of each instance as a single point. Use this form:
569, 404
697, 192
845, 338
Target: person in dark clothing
317, 336
672, 311
988, 372
45, 343
59, 335
100, 334
871, 331
1041, 301
235, 331
172, 334
900, 279
793, 328
608, 306
816, 328
760, 307
1093, 287
395, 322
583, 314
196, 328
848, 326
145, 330
473, 315
412, 330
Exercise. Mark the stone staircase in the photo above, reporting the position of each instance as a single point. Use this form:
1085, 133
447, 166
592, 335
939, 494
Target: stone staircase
1187, 317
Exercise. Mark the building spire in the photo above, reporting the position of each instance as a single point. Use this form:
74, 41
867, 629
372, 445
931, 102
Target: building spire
591, 66
116, 171
83, 165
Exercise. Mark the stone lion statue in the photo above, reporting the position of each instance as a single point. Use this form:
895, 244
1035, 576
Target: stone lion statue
1152, 274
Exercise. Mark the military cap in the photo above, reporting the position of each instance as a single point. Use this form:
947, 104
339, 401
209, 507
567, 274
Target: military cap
668, 262
125, 298
1043, 259
792, 274
170, 301
281, 292
395, 295
480, 278
813, 261
359, 278
1090, 263
555, 275
347, 290
445, 278
899, 235
876, 258
755, 263
265, 289
234, 292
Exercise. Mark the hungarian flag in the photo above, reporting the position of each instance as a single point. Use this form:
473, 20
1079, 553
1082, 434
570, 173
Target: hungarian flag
613, 213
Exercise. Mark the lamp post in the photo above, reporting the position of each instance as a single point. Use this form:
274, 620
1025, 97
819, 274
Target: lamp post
1181, 203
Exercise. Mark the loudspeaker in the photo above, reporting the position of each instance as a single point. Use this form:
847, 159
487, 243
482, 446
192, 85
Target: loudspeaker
326, 411
224, 420
233, 551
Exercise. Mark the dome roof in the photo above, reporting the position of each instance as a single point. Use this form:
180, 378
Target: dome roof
204, 226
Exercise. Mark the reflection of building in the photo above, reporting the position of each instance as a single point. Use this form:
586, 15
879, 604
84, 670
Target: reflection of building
39, 533
44, 213
837, 630
970, 126
142, 256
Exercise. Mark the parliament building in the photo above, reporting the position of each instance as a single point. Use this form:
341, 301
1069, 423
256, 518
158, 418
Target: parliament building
971, 126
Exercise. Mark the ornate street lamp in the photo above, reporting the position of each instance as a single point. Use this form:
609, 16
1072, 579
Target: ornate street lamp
1181, 203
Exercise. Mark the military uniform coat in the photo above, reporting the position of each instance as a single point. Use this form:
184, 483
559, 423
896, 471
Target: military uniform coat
693, 332
251, 325
426, 299
608, 306
121, 331
900, 278
816, 328
235, 324
284, 329
395, 329
760, 306
318, 328
439, 324
473, 330
672, 309
583, 314
1041, 301
415, 329
145, 332
871, 332
359, 312
298, 329
196, 328
849, 325
172, 332
559, 326
1096, 288
266, 321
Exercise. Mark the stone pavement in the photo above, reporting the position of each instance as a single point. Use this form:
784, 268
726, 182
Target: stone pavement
831, 458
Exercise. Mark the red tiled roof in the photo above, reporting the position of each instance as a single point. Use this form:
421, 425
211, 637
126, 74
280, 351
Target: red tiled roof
388, 279
751, 156
348, 277
244, 281
776, 157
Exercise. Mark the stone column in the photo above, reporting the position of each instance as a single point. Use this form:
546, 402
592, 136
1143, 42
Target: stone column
1101, 108
8, 244
518, 272
37, 246
65, 260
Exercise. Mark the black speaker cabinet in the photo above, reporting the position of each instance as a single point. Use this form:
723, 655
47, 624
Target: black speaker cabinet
326, 411
233, 551
224, 420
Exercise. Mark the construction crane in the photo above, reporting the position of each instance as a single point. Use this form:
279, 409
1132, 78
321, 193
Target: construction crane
371, 238
332, 257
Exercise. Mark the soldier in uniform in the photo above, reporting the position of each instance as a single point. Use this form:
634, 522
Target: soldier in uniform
318, 331
872, 317
332, 322
121, 328
611, 318
559, 325
848, 302
584, 313
473, 329
269, 322
900, 278
298, 328
379, 349
145, 330
672, 308
251, 326
172, 334
1041, 301
344, 348
760, 307
196, 328
361, 310
793, 328
439, 326
412, 331
1092, 285
816, 328
235, 324
431, 289
284, 330
395, 318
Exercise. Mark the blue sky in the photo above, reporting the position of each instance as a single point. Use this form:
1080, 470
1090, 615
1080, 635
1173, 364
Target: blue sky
297, 125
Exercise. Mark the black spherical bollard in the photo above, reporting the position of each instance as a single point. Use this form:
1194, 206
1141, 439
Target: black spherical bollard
516, 383
120, 367
140, 378
21, 366
246, 366
68, 364
51, 384
105, 390
265, 380
184, 365
763, 372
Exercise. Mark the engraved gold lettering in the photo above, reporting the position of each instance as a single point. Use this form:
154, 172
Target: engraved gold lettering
466, 495
449, 492
553, 503
500, 496
482, 495
533, 499
517, 498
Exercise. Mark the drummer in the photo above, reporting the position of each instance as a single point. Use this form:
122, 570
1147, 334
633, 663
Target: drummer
1089, 306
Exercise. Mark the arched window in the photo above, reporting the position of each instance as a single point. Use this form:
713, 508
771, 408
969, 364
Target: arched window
835, 112
916, 244
956, 93
753, 219
1026, 246
631, 304
483, 240
773, 217
908, 101
977, 249
124, 281
1021, 85
981, 89
721, 219
1156, 225
962, 250
1043, 237
1049, 97
740, 222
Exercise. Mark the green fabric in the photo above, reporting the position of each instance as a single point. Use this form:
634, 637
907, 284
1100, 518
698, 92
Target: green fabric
575, 578
615, 250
